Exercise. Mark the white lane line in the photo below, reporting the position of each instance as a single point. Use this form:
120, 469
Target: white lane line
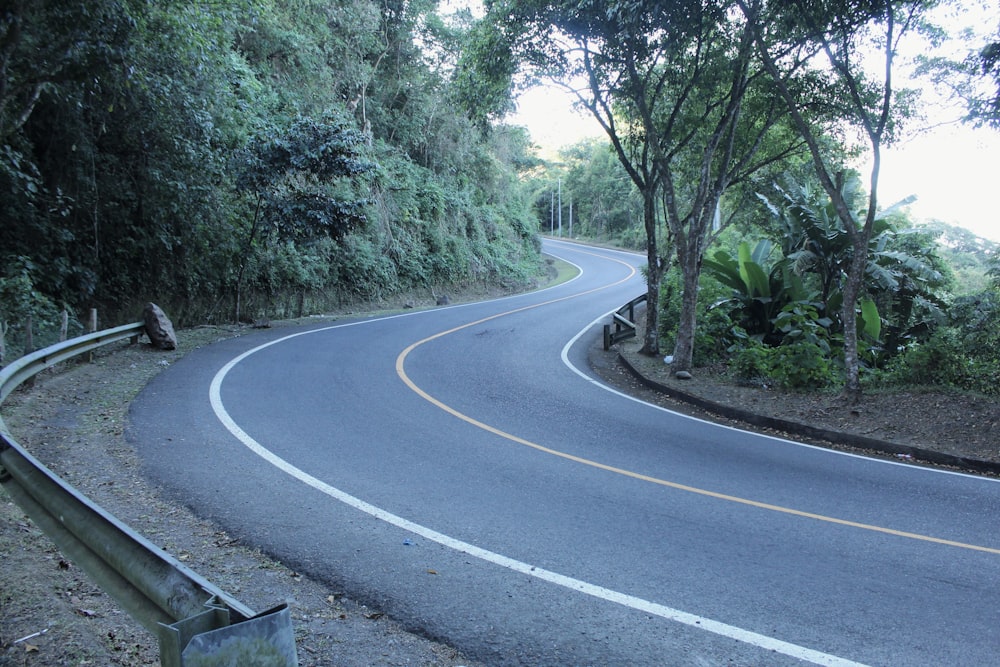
598, 383
599, 592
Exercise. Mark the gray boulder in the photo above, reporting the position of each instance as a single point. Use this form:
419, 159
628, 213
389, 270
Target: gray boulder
159, 328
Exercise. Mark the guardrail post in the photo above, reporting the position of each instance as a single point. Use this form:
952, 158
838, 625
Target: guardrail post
93, 328
29, 345
207, 639
625, 327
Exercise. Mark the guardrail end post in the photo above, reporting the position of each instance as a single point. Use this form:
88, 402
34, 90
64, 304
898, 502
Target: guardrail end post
209, 639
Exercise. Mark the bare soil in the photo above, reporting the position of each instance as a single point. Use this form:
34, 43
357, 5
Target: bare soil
74, 419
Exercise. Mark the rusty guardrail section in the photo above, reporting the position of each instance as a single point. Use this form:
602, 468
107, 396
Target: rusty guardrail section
623, 320
194, 621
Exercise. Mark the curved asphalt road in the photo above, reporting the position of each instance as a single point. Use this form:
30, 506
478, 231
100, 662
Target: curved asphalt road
461, 470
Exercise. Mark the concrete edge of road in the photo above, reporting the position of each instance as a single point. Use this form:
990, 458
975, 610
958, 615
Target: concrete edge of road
905, 452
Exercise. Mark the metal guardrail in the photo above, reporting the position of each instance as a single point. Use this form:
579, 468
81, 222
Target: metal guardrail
623, 321
194, 621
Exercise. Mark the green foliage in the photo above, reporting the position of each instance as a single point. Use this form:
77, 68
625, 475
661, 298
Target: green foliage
944, 360
970, 263
21, 302
18, 293
760, 288
801, 365
606, 204
977, 320
987, 107
485, 74
974, 80
903, 276
793, 306
801, 322
812, 236
962, 352
188, 153
363, 270
801, 361
870, 322
750, 363
304, 179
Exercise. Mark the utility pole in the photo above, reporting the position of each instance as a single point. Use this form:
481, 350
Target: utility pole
571, 216
552, 211
560, 208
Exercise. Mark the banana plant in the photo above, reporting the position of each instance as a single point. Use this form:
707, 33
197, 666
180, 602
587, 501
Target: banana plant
760, 288
900, 277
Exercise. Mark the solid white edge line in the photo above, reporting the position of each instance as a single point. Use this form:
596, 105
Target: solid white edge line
598, 383
599, 592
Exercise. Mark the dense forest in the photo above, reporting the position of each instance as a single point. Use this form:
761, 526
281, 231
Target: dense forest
239, 159
242, 159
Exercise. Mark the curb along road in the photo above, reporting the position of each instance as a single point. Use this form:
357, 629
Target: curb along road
908, 452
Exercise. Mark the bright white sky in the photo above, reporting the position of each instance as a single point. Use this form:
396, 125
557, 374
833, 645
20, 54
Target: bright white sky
952, 170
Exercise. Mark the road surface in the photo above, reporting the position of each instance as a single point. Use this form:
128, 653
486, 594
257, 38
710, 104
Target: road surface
463, 470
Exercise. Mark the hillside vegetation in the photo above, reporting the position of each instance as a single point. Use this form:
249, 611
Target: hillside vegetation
237, 160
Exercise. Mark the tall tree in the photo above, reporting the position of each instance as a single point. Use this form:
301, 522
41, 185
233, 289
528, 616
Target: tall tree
300, 182
787, 34
987, 107
564, 41
719, 124
974, 80
674, 87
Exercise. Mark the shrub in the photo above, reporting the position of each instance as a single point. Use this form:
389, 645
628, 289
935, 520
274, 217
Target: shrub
751, 363
962, 355
801, 365
800, 322
944, 361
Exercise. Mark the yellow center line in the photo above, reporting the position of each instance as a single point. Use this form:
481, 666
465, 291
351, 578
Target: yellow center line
401, 372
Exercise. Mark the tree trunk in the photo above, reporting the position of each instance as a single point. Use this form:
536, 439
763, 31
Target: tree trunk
852, 290
690, 262
651, 339
245, 258
654, 272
